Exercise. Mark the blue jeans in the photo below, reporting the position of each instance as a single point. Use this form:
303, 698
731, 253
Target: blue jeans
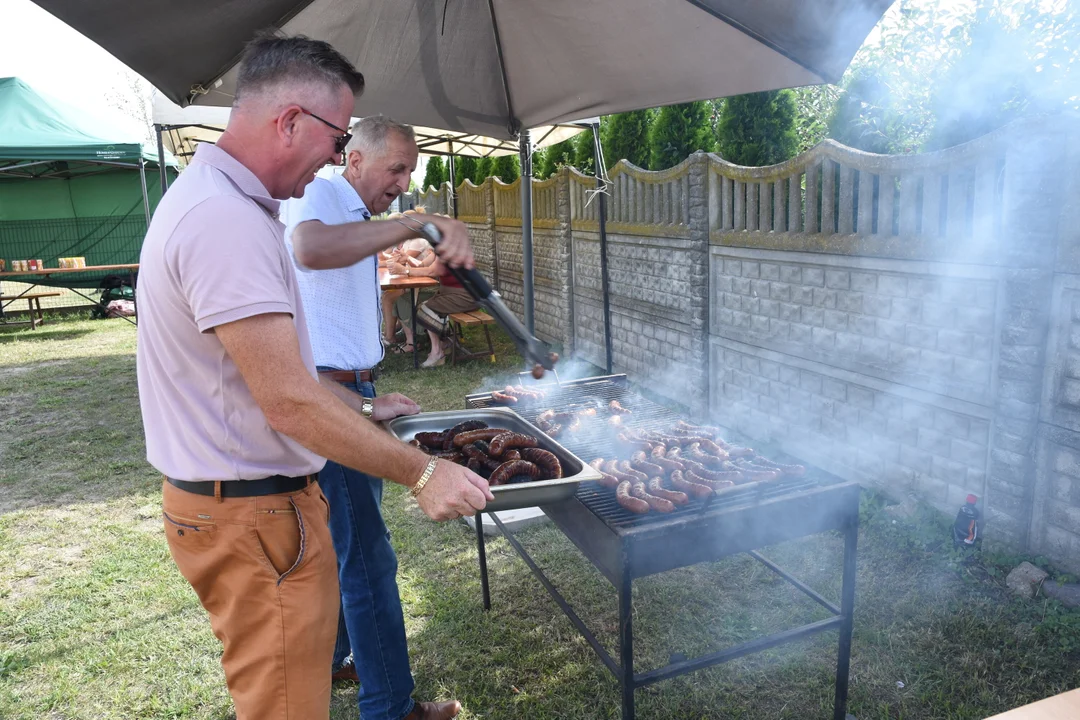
372, 622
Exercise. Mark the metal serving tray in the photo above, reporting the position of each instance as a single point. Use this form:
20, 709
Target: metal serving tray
507, 497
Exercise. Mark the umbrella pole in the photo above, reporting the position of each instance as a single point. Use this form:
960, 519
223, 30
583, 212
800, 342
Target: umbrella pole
453, 185
601, 192
527, 230
161, 159
145, 197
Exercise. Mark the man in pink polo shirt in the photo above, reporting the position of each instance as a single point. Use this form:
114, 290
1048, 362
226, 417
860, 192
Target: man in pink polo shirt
234, 414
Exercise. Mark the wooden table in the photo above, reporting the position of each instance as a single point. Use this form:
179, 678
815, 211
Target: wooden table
1065, 706
29, 277
413, 284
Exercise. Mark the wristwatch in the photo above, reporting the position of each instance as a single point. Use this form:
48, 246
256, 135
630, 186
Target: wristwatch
367, 407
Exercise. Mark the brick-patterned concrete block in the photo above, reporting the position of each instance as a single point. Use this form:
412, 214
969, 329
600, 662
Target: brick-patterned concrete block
769, 271
934, 442
864, 282
850, 302
891, 330
875, 350
920, 337
780, 291
863, 325
938, 315
813, 276
838, 279
799, 334
836, 320
791, 274
813, 316
916, 459
848, 344
822, 338
906, 310
751, 269
824, 298
802, 294
834, 389
974, 319
968, 453
760, 288
878, 305
895, 285
860, 397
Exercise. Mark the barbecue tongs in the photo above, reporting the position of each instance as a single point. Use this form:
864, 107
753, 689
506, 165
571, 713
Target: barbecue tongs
532, 349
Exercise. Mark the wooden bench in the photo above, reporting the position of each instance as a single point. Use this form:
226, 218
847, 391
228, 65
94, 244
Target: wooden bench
457, 324
33, 300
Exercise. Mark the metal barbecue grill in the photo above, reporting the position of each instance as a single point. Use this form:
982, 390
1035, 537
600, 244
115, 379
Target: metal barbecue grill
624, 545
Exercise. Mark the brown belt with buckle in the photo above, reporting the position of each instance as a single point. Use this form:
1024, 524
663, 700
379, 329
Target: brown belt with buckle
348, 376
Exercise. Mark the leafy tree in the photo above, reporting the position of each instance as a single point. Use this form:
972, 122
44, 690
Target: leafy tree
626, 136
483, 170
862, 117
464, 167
758, 128
435, 173
538, 163
507, 168
677, 131
555, 156
584, 152
814, 106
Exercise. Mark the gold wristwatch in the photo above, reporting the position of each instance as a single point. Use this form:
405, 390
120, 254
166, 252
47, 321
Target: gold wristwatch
367, 407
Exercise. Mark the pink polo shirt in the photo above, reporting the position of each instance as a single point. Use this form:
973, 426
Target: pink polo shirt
214, 253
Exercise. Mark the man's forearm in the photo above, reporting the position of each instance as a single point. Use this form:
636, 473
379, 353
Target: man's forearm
347, 396
318, 246
321, 420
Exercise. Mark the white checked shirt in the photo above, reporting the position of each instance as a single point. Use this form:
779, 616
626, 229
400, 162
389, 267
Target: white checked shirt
342, 306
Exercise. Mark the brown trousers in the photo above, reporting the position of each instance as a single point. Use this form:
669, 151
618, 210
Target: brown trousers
265, 570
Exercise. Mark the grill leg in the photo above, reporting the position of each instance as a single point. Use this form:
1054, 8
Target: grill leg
482, 553
847, 609
626, 646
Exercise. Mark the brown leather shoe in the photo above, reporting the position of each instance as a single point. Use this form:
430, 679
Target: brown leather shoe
346, 673
434, 711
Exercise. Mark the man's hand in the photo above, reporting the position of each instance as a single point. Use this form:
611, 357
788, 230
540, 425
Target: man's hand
395, 268
388, 407
455, 249
452, 492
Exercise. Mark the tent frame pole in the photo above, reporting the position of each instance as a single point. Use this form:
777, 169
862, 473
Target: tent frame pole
161, 160
527, 229
601, 197
145, 197
453, 186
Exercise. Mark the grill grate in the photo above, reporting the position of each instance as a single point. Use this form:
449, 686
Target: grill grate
597, 439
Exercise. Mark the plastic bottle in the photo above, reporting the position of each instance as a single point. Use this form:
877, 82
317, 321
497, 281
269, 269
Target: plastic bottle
966, 528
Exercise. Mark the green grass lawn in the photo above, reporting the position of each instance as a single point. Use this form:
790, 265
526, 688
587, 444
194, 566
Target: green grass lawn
96, 623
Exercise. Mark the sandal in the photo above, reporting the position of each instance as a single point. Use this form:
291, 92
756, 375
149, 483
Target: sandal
401, 348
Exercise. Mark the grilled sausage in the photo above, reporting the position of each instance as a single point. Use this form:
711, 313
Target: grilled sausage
448, 437
707, 430
639, 463
502, 474
655, 486
633, 504
510, 455
793, 470
635, 443
658, 504
478, 467
503, 398
615, 421
550, 467
618, 409
688, 486
416, 444
705, 473
505, 441
757, 473
432, 440
713, 485
736, 451
606, 479
471, 436
453, 456
611, 467
625, 469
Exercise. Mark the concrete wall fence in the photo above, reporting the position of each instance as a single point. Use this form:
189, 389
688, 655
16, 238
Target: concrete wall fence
910, 322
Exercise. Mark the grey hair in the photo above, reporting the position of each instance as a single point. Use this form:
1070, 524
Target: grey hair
271, 59
369, 134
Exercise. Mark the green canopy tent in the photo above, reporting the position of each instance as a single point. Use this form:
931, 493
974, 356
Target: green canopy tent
71, 185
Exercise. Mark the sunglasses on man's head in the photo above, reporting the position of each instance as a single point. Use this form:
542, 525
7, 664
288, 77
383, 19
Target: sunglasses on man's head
339, 142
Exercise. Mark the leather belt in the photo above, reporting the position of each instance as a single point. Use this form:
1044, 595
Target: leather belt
273, 485
349, 376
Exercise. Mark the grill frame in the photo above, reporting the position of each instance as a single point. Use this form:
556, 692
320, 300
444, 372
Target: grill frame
624, 546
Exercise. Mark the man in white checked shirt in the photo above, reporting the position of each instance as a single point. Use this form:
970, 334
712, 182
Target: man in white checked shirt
340, 290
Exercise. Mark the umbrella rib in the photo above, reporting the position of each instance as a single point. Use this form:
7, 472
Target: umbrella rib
759, 37
513, 125
201, 88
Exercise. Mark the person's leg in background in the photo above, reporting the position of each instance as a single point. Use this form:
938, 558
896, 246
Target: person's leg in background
390, 321
367, 571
